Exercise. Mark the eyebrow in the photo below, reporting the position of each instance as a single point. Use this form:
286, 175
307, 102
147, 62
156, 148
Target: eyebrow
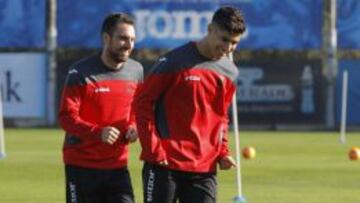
123, 36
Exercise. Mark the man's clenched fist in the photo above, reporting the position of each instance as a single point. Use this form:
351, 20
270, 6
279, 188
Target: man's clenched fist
109, 135
131, 134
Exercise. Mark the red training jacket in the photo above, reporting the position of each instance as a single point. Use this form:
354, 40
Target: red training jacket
95, 96
182, 109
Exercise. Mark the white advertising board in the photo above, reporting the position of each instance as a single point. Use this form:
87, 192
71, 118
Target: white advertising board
23, 84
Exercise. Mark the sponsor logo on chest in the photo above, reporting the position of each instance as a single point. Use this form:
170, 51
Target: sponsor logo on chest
102, 89
192, 78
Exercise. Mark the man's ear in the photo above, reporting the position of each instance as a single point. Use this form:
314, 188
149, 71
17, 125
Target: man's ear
106, 38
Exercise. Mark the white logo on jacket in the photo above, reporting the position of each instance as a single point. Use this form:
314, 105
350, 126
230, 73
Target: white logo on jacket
192, 78
162, 59
102, 89
72, 71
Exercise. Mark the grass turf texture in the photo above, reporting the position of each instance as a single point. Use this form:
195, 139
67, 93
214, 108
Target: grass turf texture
290, 167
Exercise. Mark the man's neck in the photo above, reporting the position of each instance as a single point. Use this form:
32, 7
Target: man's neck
109, 63
203, 48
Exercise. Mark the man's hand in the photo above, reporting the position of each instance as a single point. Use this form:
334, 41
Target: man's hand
131, 134
109, 135
227, 163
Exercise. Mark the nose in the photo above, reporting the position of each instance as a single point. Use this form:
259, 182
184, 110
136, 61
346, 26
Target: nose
127, 44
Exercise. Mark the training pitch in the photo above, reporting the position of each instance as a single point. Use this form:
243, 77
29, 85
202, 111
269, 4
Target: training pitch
302, 167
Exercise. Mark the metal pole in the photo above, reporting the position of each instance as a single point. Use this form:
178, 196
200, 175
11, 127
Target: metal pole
51, 45
330, 59
2, 132
344, 107
239, 197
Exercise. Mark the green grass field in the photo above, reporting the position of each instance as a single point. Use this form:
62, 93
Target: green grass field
303, 167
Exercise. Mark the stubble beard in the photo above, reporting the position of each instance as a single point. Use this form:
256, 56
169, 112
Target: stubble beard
117, 57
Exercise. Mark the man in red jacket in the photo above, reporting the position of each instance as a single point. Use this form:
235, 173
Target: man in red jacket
181, 112
98, 119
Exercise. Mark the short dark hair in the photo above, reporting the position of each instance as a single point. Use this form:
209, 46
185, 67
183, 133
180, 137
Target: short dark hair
230, 19
113, 19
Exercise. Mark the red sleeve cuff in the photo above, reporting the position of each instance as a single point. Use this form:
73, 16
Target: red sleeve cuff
224, 153
96, 132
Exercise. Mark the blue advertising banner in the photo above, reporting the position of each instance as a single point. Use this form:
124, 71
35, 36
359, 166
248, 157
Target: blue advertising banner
22, 23
272, 24
349, 24
285, 24
353, 104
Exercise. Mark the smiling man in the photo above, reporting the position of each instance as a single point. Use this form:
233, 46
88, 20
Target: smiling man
182, 114
98, 119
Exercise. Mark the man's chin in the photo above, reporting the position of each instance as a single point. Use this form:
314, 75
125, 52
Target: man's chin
120, 59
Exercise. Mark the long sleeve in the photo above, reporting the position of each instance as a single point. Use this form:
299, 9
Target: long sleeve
69, 114
225, 130
155, 85
132, 116
224, 151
